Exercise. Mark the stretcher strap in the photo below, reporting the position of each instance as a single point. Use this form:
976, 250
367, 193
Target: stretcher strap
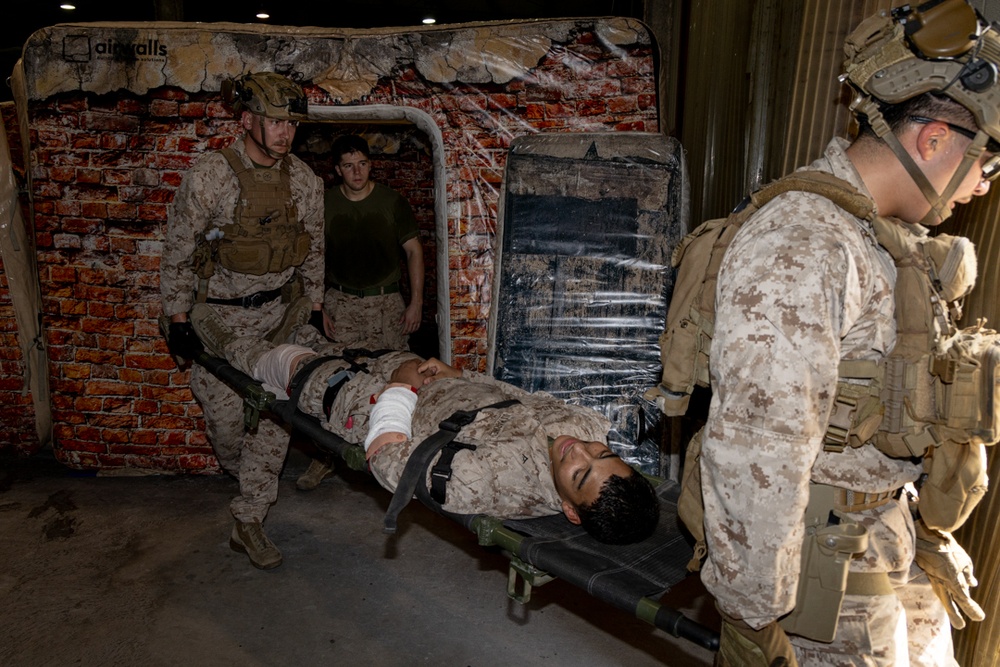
298, 382
416, 466
441, 472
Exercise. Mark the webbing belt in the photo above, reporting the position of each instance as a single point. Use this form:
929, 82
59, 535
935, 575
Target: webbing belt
846, 500
415, 471
334, 386
869, 583
255, 300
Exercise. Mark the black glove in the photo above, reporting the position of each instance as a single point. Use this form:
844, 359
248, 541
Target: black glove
183, 341
316, 320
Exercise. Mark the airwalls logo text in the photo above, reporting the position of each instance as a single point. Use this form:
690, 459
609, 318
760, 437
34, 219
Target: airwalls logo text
81, 48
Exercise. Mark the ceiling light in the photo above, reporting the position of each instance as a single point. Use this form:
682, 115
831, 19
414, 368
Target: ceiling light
263, 16
67, 6
429, 20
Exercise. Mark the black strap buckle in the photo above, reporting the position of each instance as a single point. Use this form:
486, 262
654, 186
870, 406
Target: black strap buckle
441, 471
413, 478
458, 420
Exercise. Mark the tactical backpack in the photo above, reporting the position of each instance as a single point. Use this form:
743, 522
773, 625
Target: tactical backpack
933, 397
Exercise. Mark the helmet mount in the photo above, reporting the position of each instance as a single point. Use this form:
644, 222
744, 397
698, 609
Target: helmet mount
266, 94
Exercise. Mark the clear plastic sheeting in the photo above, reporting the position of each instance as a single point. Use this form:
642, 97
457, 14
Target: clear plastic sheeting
587, 226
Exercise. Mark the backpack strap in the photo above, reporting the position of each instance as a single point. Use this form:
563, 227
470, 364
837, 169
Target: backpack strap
837, 190
685, 344
414, 473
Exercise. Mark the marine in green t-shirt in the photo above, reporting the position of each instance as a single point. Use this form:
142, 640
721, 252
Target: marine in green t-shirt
368, 226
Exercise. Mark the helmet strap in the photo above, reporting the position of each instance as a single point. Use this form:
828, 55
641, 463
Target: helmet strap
262, 145
939, 211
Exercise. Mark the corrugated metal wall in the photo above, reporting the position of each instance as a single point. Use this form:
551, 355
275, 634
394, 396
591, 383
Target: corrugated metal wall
978, 645
818, 108
714, 109
760, 98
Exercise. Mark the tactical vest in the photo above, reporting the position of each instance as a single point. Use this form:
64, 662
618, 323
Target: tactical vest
934, 396
266, 235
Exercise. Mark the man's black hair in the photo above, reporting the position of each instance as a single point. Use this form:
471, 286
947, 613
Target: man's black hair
349, 143
626, 510
927, 105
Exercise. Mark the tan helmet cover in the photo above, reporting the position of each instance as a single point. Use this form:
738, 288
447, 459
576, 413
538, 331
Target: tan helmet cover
266, 94
946, 49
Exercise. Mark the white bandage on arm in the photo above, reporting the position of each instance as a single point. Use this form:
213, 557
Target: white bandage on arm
274, 368
391, 413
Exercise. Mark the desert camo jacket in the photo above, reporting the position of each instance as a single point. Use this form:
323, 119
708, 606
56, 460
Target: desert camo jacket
206, 198
803, 286
508, 475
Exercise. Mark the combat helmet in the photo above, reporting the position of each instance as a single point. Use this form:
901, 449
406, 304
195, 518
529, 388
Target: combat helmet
266, 94
943, 47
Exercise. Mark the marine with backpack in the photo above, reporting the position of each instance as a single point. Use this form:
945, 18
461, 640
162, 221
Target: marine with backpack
839, 376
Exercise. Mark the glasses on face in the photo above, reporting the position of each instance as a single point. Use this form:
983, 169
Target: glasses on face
991, 165
991, 168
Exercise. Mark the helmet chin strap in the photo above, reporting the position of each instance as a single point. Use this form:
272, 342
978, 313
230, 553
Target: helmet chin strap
939, 211
263, 135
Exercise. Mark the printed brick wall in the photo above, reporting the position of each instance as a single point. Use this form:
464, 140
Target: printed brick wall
17, 413
105, 168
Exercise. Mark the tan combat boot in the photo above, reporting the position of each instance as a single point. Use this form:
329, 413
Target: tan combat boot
249, 538
296, 314
318, 471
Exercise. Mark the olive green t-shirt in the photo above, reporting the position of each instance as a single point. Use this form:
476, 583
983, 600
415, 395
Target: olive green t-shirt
364, 238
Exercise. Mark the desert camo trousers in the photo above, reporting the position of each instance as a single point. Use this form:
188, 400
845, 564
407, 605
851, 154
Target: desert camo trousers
910, 628
256, 457
371, 322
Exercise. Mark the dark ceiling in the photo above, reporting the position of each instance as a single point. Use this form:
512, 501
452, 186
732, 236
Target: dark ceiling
334, 14
31, 16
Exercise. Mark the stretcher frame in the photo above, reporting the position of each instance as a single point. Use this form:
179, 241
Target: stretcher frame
540, 550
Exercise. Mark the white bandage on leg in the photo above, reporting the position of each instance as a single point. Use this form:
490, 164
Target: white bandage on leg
274, 368
391, 413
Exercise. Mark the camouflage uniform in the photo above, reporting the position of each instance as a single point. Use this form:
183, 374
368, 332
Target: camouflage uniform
371, 322
803, 286
508, 475
208, 195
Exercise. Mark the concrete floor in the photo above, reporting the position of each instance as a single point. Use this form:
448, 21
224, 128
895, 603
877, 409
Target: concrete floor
115, 570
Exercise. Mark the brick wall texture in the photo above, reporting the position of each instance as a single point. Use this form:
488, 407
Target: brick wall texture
104, 169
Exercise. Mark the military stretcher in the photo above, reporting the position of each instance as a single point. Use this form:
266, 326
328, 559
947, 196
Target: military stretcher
631, 578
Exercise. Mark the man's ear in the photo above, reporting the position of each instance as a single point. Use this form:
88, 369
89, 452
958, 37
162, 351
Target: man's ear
930, 138
569, 509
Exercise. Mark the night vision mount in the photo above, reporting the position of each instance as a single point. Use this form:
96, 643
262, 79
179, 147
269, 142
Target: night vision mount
266, 94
